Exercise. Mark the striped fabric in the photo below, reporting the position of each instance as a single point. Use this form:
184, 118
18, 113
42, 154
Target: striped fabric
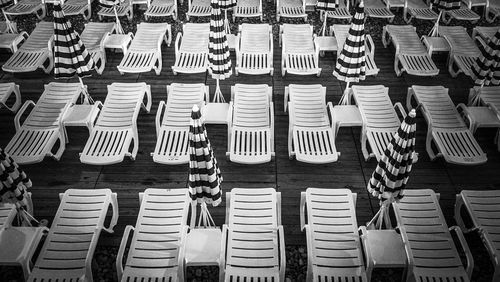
13, 181
110, 3
204, 174
218, 56
351, 64
446, 5
70, 55
227, 4
393, 169
327, 5
486, 70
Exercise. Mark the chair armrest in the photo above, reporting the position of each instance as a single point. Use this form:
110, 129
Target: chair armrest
159, 112
114, 218
285, 102
177, 43
463, 110
368, 254
169, 36
329, 106
182, 252
222, 258
149, 101
271, 109
401, 109
17, 118
370, 44
281, 236
121, 250
302, 210
465, 248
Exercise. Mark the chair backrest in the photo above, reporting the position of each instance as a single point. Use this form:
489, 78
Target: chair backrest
376, 107
308, 105
251, 104
195, 37
7, 214
405, 38
148, 36
297, 38
255, 37
459, 39
180, 101
489, 95
95, 32
39, 38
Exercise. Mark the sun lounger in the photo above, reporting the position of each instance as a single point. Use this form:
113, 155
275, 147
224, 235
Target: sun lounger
492, 10
418, 9
250, 124
431, 251
35, 52
340, 13
311, 132
69, 247
291, 9
484, 32
125, 8
299, 54
198, 8
410, 52
464, 51
78, 7
156, 252
253, 245
144, 53
333, 245
161, 8
446, 127
247, 9
6, 90
116, 127
341, 32
10, 40
462, 14
37, 136
254, 49
378, 9
26, 7
172, 143
380, 120
191, 49
93, 37
482, 207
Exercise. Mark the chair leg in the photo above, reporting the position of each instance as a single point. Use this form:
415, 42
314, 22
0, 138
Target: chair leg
428, 143
459, 202
17, 103
364, 141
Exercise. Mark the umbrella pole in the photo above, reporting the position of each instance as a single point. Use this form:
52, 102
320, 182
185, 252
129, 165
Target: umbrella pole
323, 28
434, 30
344, 100
119, 28
226, 23
218, 98
86, 96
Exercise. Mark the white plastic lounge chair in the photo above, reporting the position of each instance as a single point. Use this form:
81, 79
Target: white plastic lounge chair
116, 127
161, 8
35, 52
93, 37
191, 48
341, 32
430, 248
37, 136
291, 9
144, 53
247, 9
156, 251
123, 9
484, 32
250, 128
6, 90
198, 8
69, 247
333, 245
78, 7
464, 51
299, 54
378, 9
253, 245
254, 49
482, 208
410, 52
340, 13
454, 142
492, 10
26, 7
380, 120
311, 132
172, 133
9, 40
461, 14
418, 9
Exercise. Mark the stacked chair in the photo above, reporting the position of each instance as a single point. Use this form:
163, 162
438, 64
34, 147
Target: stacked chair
191, 49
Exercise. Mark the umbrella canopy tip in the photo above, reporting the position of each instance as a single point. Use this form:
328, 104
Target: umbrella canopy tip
413, 113
362, 4
196, 108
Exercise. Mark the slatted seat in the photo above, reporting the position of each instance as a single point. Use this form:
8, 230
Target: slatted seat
161, 8
144, 53
418, 9
340, 13
69, 247
291, 9
429, 245
464, 51
253, 247
492, 10
341, 32
254, 49
116, 127
251, 124
93, 37
311, 134
483, 209
299, 54
26, 7
6, 90
462, 14
378, 9
157, 247
125, 8
380, 120
446, 128
36, 137
410, 52
78, 7
34, 53
333, 245
247, 8
198, 8
191, 49
172, 141
10, 39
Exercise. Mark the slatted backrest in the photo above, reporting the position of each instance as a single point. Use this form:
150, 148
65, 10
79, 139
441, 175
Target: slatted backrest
405, 38
331, 216
308, 105
39, 38
438, 106
490, 95
255, 38
51, 105
180, 101
459, 39
7, 214
376, 107
298, 38
195, 38
94, 33
251, 105
122, 105
148, 36
161, 224
424, 230
78, 222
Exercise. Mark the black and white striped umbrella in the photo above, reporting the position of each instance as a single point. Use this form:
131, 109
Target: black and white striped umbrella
486, 69
226, 5
327, 5
204, 175
218, 56
13, 181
